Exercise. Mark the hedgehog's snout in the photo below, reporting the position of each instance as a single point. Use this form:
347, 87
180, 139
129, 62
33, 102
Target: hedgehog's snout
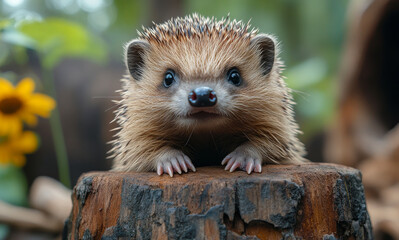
202, 97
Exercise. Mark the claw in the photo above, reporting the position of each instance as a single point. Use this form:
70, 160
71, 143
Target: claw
177, 162
242, 161
229, 164
236, 164
159, 169
175, 165
227, 158
189, 163
250, 166
258, 166
168, 168
182, 163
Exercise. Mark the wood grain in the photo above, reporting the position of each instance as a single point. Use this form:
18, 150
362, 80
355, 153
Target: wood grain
312, 201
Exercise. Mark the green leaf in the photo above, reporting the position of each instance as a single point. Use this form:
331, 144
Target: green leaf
10, 76
20, 55
13, 185
306, 74
4, 53
10, 35
57, 38
5, 23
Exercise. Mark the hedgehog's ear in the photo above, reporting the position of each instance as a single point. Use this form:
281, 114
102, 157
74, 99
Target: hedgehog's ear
135, 52
266, 47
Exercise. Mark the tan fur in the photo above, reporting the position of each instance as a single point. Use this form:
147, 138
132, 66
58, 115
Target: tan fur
257, 115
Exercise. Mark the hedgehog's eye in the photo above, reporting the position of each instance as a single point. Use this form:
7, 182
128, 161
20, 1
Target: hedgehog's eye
234, 77
169, 78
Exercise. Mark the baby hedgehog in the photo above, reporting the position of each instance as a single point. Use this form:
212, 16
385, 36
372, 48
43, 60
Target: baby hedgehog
202, 92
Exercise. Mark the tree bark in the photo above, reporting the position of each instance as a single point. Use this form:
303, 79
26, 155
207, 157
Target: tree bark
311, 201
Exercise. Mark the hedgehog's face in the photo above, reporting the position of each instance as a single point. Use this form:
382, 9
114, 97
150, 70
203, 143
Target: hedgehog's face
203, 83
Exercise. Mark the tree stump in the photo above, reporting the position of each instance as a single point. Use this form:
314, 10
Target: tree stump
310, 201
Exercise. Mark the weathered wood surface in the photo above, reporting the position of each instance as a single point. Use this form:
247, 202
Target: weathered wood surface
312, 201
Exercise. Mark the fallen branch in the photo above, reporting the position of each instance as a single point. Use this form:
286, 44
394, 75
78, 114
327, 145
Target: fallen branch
26, 218
50, 196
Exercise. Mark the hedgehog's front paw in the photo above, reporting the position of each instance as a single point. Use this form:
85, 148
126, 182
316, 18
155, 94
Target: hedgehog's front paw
245, 158
174, 161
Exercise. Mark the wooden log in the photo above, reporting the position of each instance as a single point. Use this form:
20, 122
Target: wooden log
311, 201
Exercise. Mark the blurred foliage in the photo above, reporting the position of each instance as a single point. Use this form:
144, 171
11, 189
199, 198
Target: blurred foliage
52, 39
56, 39
13, 189
13, 186
14, 142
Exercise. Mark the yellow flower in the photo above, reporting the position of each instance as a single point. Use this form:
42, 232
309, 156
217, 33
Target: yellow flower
13, 148
21, 104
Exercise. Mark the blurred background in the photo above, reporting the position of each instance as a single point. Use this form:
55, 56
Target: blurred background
340, 58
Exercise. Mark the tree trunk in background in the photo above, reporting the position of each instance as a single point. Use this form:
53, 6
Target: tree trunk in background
164, 10
312, 201
369, 99
365, 133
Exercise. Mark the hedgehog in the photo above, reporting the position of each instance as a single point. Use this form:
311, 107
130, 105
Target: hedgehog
200, 91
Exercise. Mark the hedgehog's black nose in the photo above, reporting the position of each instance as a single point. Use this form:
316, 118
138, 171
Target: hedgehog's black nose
202, 97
